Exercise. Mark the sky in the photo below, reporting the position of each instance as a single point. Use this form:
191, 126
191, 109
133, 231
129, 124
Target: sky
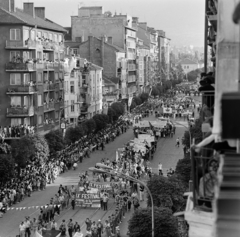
182, 20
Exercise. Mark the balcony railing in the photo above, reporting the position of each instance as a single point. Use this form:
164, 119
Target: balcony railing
20, 66
19, 111
22, 89
49, 106
28, 44
48, 66
131, 67
204, 173
61, 104
131, 78
45, 86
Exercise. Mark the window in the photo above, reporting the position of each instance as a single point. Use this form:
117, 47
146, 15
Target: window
39, 55
25, 35
45, 35
39, 77
16, 100
56, 114
50, 36
110, 40
26, 78
60, 75
15, 34
13, 55
72, 106
56, 76
39, 34
75, 51
72, 87
15, 79
16, 121
40, 119
33, 34
78, 39
27, 55
60, 38
55, 38
39, 100
56, 56
61, 56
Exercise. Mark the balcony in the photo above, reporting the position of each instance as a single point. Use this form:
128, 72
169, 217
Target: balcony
28, 44
45, 87
48, 66
57, 105
61, 104
48, 107
84, 109
131, 67
47, 46
51, 87
18, 112
131, 79
21, 90
9, 67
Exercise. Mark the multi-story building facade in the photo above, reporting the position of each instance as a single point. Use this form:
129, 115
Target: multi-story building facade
117, 29
72, 79
31, 69
110, 57
163, 55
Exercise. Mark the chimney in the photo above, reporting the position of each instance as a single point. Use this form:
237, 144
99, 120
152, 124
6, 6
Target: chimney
28, 7
8, 5
40, 12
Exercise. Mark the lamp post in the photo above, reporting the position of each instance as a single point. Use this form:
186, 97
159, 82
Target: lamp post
108, 170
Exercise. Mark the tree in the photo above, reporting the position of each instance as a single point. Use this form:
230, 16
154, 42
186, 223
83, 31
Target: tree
183, 170
144, 97
118, 107
137, 100
73, 134
192, 76
89, 125
101, 121
111, 114
155, 92
167, 192
6, 167
140, 225
6, 163
55, 141
133, 105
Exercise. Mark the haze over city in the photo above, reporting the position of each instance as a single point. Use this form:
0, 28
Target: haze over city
182, 20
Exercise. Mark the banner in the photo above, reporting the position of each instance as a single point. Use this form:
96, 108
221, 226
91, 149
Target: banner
88, 200
28, 208
130, 101
167, 110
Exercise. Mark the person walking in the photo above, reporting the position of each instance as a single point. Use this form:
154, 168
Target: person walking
105, 201
70, 228
177, 142
160, 168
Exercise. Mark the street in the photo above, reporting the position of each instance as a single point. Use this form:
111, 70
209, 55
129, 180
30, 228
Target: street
166, 153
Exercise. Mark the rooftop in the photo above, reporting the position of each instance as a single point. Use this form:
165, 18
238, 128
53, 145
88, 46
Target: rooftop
20, 17
187, 61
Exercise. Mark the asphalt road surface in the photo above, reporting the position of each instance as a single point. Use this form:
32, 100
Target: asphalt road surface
166, 153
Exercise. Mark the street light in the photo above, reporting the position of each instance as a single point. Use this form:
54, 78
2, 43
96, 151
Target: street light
108, 170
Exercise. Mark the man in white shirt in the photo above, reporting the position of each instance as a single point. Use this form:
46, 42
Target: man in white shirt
160, 169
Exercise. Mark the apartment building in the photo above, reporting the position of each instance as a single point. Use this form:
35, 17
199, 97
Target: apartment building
163, 54
32, 48
108, 56
72, 79
117, 29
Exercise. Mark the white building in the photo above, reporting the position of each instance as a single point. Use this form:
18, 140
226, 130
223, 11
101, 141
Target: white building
188, 65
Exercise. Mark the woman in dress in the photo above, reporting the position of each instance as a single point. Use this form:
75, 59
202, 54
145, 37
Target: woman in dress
107, 229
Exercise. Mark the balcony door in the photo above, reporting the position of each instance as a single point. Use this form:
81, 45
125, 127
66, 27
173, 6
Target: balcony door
26, 78
16, 101
27, 121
